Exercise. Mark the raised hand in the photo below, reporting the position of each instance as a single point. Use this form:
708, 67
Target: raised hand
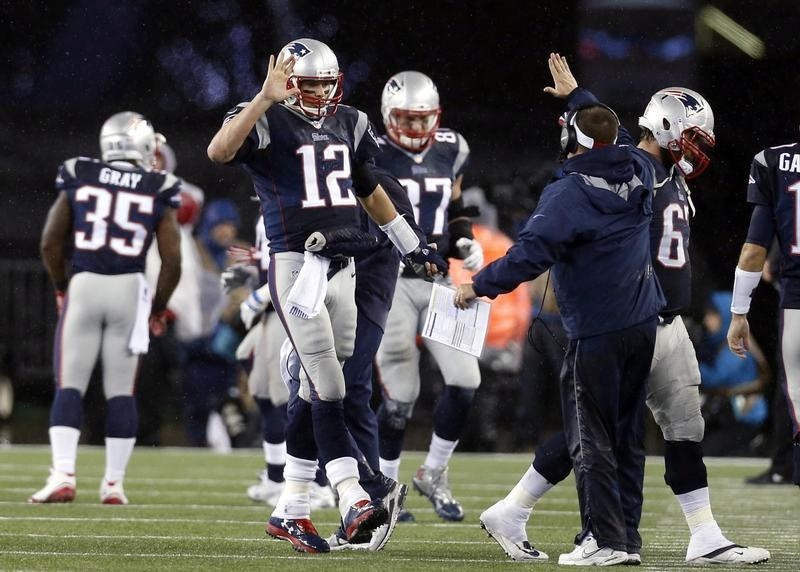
276, 88
563, 80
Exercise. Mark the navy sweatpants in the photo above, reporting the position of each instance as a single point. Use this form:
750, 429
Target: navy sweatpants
603, 401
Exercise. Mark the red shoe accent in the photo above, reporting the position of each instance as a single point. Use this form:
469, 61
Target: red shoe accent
64, 494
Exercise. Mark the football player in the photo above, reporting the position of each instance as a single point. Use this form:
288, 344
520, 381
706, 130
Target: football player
429, 161
774, 190
677, 135
307, 155
109, 211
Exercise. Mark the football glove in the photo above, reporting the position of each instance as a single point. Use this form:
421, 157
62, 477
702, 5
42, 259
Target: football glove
472, 252
237, 276
254, 305
345, 241
417, 258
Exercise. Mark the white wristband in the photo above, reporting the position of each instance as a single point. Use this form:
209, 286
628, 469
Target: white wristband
400, 233
744, 282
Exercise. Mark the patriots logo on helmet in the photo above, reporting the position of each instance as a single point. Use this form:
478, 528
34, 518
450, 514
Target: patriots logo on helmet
690, 102
298, 49
394, 86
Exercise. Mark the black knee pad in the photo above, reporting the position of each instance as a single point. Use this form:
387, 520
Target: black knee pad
395, 414
684, 467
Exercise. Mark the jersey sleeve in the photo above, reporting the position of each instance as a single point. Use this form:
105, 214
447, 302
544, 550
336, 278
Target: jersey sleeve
365, 142
258, 138
462, 156
169, 195
66, 174
759, 186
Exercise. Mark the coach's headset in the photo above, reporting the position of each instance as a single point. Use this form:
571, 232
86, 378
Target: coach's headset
571, 134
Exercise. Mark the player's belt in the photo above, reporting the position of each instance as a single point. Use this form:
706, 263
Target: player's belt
665, 320
337, 263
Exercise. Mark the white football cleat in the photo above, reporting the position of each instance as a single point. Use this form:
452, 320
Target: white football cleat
60, 487
112, 493
511, 536
732, 555
588, 553
320, 497
265, 490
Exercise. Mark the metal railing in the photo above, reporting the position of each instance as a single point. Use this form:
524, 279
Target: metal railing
27, 323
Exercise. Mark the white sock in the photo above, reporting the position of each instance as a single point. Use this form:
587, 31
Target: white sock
343, 476
439, 452
350, 492
391, 468
64, 447
696, 506
118, 453
275, 453
706, 535
530, 488
292, 505
293, 502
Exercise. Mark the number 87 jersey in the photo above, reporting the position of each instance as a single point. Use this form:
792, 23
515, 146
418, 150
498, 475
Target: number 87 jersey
116, 208
428, 176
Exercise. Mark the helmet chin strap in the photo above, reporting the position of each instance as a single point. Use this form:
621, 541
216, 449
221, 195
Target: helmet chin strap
685, 166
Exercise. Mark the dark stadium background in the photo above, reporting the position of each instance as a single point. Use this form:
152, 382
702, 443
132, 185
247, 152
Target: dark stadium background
66, 66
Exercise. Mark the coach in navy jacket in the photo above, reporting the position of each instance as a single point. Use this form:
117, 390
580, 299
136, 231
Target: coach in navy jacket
592, 227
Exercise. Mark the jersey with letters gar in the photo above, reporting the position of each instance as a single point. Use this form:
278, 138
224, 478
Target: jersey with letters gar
775, 183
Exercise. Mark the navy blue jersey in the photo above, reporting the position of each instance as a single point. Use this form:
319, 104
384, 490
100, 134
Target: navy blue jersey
428, 176
775, 183
669, 238
301, 171
669, 228
116, 208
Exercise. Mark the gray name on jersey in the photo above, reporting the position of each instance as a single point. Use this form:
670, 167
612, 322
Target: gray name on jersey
119, 178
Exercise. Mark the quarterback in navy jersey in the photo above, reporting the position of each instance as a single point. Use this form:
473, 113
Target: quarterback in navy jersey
774, 192
677, 135
429, 162
110, 211
309, 159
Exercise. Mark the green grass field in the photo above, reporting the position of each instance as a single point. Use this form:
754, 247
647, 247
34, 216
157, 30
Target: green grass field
188, 511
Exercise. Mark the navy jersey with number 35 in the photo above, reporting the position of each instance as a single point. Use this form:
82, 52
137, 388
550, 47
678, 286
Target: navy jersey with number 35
116, 208
302, 170
775, 183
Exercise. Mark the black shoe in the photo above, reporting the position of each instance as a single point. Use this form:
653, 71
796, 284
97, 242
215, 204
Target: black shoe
769, 477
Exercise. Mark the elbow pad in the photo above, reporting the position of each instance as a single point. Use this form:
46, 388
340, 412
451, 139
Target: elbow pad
762, 226
364, 180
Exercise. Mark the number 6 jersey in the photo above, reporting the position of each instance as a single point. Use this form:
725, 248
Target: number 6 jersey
116, 208
669, 238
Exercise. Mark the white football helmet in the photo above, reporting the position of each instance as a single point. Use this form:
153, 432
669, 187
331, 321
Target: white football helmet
314, 61
129, 136
682, 122
407, 98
